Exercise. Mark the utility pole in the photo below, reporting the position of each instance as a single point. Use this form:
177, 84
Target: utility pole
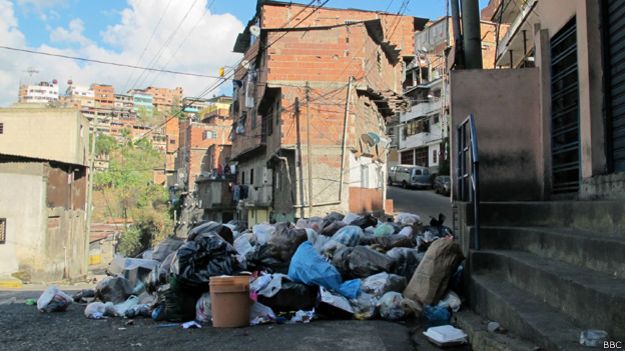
309, 152
90, 190
471, 31
298, 159
344, 143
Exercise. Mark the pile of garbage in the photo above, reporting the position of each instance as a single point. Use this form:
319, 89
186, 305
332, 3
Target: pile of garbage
339, 267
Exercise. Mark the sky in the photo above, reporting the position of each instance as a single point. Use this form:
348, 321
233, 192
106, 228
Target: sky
183, 35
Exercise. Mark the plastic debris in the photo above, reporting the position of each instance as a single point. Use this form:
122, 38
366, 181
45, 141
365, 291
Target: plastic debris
303, 316
436, 315
261, 314
348, 235
191, 325
445, 335
452, 301
364, 306
97, 310
381, 283
203, 309
53, 300
390, 306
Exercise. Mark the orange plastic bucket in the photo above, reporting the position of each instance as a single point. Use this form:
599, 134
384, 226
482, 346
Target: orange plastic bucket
230, 301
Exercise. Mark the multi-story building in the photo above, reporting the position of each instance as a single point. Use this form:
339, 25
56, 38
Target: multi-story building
142, 103
309, 111
41, 93
164, 99
124, 107
423, 130
80, 97
104, 96
43, 193
172, 135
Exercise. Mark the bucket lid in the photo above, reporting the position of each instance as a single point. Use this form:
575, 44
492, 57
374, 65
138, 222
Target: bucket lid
229, 280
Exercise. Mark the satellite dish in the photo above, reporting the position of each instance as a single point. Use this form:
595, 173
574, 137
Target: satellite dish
245, 64
255, 30
370, 138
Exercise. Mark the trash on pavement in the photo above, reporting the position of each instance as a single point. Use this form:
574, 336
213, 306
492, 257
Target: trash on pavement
384, 230
334, 305
364, 262
493, 327
53, 300
284, 241
309, 268
364, 306
113, 289
165, 248
406, 260
30, 302
263, 232
203, 309
83, 294
436, 315
445, 335
593, 337
452, 301
121, 308
261, 314
348, 235
191, 325
403, 218
303, 316
381, 283
390, 306
431, 278
283, 295
97, 310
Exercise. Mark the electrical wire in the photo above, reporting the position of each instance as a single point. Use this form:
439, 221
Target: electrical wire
110, 63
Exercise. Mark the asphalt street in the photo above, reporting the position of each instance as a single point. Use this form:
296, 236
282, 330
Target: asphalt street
425, 203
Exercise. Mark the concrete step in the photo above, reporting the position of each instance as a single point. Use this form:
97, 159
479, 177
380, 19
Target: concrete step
524, 315
481, 339
594, 300
606, 217
581, 248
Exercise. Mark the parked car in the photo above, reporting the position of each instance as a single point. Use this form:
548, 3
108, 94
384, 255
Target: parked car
409, 176
442, 185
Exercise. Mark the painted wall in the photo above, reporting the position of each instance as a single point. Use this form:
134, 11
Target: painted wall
65, 131
507, 116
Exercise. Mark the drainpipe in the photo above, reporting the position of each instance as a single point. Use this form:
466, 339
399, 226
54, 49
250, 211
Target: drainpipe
455, 19
472, 41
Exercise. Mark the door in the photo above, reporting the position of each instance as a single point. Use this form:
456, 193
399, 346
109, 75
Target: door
615, 81
565, 146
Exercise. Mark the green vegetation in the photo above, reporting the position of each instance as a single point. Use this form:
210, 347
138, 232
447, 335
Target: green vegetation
129, 192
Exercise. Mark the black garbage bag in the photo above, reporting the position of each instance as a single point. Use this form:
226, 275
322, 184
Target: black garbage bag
381, 283
262, 259
206, 256
113, 289
291, 296
406, 260
331, 218
284, 241
364, 262
165, 248
366, 221
340, 260
387, 242
332, 228
178, 303
239, 226
211, 227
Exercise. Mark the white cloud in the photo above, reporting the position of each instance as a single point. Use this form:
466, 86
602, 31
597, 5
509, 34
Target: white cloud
41, 4
71, 35
207, 47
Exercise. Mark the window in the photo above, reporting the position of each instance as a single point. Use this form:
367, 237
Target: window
417, 172
1, 128
209, 134
434, 156
252, 176
172, 141
421, 156
242, 177
3, 230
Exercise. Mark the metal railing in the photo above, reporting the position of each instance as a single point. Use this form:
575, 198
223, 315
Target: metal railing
469, 171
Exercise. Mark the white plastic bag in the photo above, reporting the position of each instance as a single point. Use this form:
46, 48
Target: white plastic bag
263, 232
242, 245
260, 314
350, 217
390, 306
121, 308
203, 309
451, 300
404, 218
53, 300
97, 310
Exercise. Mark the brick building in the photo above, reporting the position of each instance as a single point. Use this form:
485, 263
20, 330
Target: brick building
104, 95
164, 99
298, 152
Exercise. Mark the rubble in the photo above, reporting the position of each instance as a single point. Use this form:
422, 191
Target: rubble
340, 266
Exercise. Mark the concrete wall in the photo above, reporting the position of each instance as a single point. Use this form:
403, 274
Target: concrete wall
506, 107
65, 131
46, 243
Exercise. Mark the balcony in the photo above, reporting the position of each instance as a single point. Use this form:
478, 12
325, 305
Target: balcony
422, 109
511, 47
258, 196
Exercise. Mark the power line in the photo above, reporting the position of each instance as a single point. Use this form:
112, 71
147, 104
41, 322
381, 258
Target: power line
148, 43
110, 63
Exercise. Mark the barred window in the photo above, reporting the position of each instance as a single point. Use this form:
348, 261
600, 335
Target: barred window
3, 230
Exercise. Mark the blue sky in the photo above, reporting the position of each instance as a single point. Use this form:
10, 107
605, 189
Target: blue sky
165, 34
36, 20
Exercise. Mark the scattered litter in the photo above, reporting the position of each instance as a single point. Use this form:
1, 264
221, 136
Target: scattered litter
30, 302
493, 327
451, 300
303, 316
203, 309
390, 306
191, 325
53, 300
261, 314
9, 301
593, 338
445, 335
437, 315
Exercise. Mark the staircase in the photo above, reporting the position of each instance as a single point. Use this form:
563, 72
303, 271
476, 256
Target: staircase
548, 270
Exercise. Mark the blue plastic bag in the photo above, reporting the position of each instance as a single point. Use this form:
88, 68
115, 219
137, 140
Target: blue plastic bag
348, 235
309, 268
437, 315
